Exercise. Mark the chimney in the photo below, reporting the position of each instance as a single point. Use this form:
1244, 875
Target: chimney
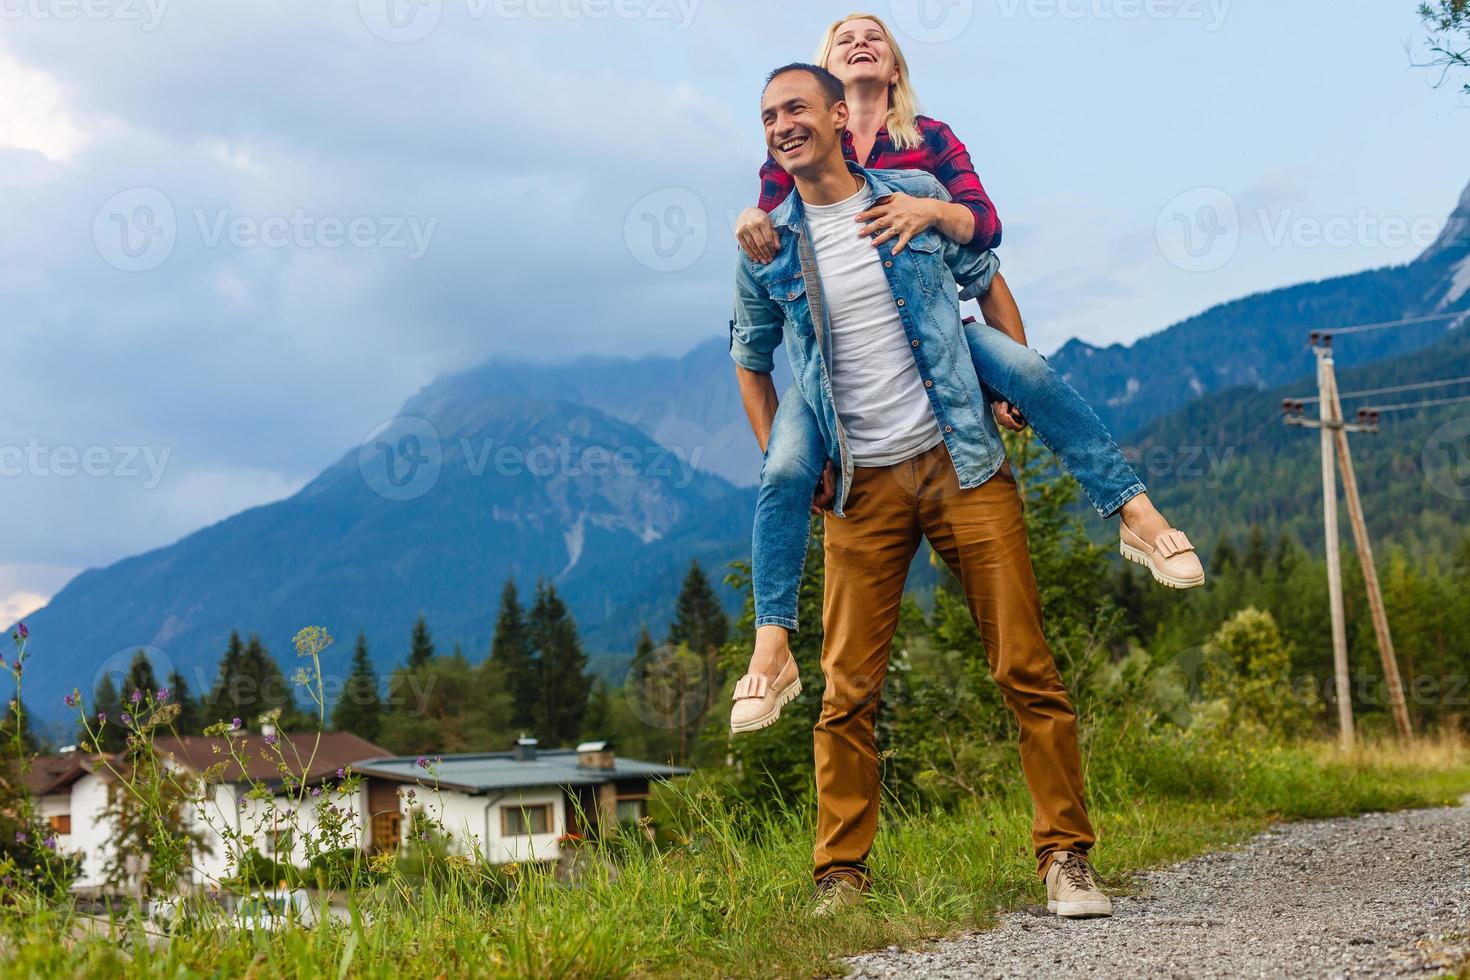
525, 750
595, 755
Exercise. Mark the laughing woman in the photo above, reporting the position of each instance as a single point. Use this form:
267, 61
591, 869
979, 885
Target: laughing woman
886, 132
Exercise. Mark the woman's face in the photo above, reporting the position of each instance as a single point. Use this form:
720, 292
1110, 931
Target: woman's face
861, 54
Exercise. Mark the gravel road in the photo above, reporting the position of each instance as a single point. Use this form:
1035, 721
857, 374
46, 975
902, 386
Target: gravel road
1386, 894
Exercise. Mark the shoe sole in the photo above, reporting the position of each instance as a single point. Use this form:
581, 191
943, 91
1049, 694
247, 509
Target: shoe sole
1081, 910
1135, 555
769, 718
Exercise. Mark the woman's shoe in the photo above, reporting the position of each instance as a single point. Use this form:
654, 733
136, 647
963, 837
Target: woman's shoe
1171, 559
758, 701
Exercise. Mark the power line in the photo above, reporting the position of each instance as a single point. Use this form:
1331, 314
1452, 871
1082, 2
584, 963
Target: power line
1417, 386
1423, 404
1365, 327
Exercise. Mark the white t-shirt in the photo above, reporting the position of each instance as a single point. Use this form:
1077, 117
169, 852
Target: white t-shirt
879, 395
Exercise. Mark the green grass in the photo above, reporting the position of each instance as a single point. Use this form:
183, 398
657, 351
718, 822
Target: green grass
727, 895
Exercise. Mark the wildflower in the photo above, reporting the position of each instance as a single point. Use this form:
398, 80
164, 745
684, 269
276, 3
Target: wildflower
235, 724
126, 718
20, 837
137, 697
423, 762
316, 791
270, 740
51, 843
73, 699
21, 628
341, 773
163, 695
101, 717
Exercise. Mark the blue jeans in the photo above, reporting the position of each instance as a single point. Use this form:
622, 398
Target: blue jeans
795, 453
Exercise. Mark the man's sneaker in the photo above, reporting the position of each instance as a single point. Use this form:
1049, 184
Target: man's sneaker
1072, 890
836, 892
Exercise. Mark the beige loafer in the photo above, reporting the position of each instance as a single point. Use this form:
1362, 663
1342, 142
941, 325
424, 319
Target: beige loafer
1171, 559
758, 702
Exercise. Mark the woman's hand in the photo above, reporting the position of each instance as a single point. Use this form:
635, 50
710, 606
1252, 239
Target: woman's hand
900, 216
756, 235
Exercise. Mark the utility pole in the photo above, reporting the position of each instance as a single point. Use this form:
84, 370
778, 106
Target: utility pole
1334, 443
1326, 398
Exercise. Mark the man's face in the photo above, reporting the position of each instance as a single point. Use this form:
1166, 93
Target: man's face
802, 130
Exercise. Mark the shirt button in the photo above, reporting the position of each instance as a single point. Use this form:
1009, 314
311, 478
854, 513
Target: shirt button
900, 302
791, 296
928, 384
949, 428
888, 264
914, 343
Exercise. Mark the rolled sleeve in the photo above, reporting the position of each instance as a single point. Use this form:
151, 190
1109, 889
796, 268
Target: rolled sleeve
974, 269
755, 325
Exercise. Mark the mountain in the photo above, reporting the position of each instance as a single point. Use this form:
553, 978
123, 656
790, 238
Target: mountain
465, 489
1227, 461
1257, 341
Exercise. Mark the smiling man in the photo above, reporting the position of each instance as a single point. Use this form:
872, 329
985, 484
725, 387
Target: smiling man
877, 348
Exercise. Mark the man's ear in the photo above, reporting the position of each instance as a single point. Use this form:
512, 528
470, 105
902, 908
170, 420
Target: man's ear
840, 114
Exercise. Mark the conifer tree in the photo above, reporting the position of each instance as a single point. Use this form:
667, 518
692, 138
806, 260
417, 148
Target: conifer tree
360, 709
421, 650
699, 621
562, 673
510, 650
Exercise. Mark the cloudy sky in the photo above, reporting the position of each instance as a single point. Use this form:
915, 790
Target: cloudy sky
235, 236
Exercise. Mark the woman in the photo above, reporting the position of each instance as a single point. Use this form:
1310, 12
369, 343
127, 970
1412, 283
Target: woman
886, 132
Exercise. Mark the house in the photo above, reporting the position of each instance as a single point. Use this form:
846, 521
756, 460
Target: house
507, 806
518, 805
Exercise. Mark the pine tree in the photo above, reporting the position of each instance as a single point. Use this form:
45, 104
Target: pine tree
106, 714
699, 622
421, 651
223, 700
190, 720
645, 644
511, 652
597, 722
360, 709
141, 678
564, 683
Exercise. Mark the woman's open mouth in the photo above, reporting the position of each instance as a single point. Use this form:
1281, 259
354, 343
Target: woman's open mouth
862, 57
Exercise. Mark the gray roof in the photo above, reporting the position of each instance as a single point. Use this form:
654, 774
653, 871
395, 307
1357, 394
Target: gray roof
491, 771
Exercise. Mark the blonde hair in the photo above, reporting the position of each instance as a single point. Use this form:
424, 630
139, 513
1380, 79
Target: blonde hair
903, 104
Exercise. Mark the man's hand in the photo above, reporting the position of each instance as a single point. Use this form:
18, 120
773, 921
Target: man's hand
826, 492
1010, 416
757, 236
899, 216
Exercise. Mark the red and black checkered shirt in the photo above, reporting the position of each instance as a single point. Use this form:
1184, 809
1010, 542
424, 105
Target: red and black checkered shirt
940, 152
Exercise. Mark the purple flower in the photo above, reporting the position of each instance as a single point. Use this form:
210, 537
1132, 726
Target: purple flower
270, 740
101, 717
126, 719
20, 837
137, 697
423, 762
51, 843
23, 631
73, 699
341, 773
163, 695
317, 791
235, 724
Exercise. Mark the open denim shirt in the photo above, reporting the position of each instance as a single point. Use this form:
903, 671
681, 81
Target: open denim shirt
783, 300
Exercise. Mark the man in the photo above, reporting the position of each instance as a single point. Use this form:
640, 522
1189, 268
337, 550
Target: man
877, 348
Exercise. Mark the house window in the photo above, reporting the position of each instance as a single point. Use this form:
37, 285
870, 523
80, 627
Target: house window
280, 841
60, 823
632, 809
387, 831
519, 821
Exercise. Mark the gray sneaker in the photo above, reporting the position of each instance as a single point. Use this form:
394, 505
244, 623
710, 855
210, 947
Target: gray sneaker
836, 892
1072, 890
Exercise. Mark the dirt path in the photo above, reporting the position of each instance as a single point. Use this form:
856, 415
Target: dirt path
1387, 894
